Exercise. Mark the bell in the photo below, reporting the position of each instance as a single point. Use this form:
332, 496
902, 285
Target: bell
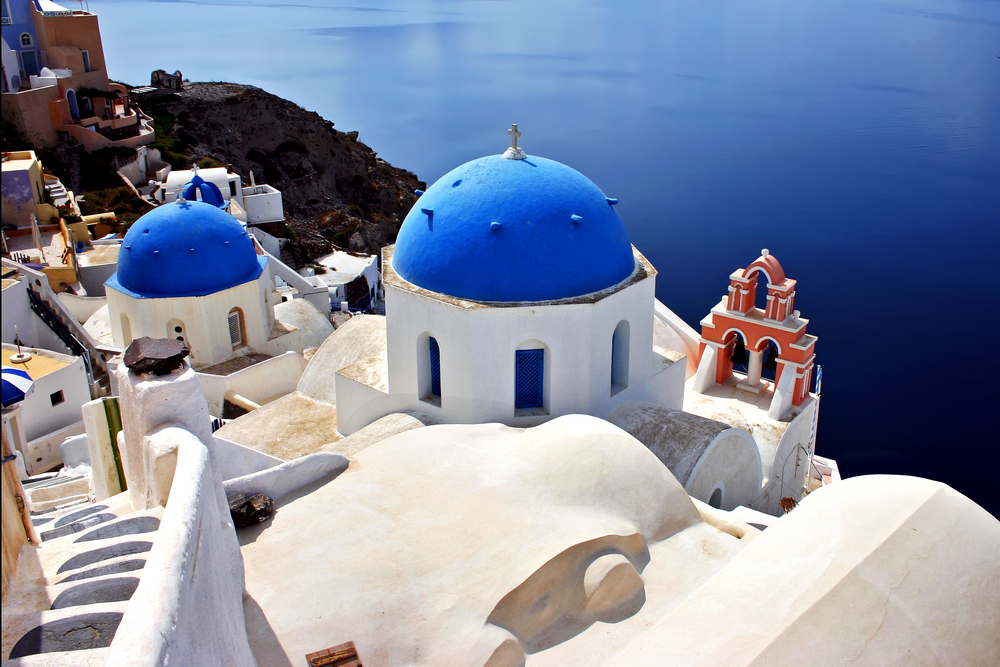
739, 357
771, 359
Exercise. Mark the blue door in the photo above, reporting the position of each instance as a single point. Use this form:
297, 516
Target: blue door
528, 379
30, 61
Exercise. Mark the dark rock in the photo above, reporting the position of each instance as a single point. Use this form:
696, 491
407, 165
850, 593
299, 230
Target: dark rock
247, 511
155, 355
337, 192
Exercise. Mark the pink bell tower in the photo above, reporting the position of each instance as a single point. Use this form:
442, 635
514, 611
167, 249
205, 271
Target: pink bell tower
737, 317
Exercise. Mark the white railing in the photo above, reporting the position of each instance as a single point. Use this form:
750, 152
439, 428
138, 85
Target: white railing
188, 607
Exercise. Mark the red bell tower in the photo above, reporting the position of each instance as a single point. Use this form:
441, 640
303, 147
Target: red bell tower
738, 320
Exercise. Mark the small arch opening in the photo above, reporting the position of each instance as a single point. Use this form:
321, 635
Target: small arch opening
760, 281
126, 330
716, 499
429, 369
769, 366
620, 357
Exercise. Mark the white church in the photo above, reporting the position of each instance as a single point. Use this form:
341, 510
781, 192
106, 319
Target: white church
513, 295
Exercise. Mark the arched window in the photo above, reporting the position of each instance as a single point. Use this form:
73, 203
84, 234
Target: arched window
529, 374
619, 357
26, 39
428, 369
716, 499
126, 330
237, 328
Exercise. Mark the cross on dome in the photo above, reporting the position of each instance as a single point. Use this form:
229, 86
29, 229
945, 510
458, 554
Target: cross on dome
514, 153
514, 134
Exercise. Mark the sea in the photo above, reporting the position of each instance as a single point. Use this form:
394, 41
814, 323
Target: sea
857, 140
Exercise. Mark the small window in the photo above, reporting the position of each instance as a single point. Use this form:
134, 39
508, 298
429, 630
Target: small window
716, 499
86, 60
435, 353
529, 383
235, 327
26, 39
57, 398
232, 188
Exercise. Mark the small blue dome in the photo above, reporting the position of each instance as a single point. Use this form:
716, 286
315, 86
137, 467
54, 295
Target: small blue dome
210, 192
496, 229
185, 248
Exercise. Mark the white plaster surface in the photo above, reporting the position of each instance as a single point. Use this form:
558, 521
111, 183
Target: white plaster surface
876, 570
359, 338
426, 557
187, 609
104, 472
280, 480
314, 326
148, 401
98, 325
235, 460
569, 544
261, 382
703, 455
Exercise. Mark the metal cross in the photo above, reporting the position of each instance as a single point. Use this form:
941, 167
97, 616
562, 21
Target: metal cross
514, 134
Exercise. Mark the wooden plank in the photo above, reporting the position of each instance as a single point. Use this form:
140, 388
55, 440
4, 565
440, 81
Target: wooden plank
341, 655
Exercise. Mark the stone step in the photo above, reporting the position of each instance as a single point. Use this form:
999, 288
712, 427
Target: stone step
70, 629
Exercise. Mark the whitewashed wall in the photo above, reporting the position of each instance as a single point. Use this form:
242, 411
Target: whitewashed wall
273, 377
204, 318
477, 350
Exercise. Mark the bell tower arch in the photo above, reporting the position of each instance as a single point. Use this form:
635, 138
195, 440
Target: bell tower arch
739, 339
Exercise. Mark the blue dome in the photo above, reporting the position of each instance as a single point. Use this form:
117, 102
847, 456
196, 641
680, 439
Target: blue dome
185, 248
210, 193
496, 229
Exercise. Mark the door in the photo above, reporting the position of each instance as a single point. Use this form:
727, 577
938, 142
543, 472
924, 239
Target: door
30, 61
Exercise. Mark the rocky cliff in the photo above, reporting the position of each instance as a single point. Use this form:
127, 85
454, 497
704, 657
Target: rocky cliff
337, 191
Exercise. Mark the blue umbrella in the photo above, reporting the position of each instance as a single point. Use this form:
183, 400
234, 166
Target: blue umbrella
16, 385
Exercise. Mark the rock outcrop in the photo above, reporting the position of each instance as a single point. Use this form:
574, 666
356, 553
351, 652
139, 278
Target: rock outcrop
337, 191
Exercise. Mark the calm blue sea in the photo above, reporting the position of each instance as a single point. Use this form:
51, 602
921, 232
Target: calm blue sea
858, 140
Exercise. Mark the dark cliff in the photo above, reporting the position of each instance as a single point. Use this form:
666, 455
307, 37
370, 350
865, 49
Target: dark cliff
337, 191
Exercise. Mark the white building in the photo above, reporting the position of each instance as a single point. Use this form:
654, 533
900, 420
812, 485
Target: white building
339, 270
255, 203
190, 271
51, 412
513, 295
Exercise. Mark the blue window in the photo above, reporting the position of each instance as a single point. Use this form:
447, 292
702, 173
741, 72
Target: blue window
435, 367
528, 379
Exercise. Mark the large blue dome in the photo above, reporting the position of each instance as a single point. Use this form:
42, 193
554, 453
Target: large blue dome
185, 248
497, 229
